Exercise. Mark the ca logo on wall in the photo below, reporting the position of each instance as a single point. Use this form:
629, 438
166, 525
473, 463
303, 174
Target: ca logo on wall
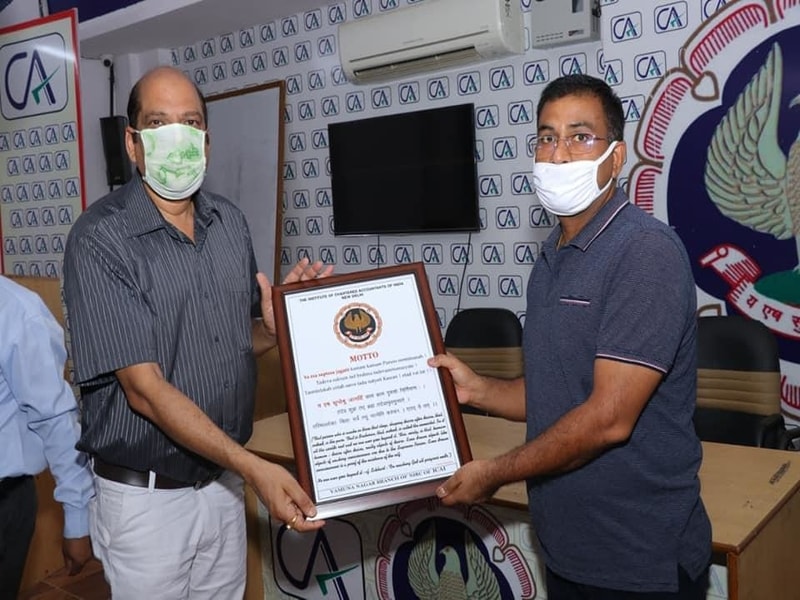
41, 187
719, 159
34, 77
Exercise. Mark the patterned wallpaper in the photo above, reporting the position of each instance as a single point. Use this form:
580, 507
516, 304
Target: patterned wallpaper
643, 45
488, 268
679, 66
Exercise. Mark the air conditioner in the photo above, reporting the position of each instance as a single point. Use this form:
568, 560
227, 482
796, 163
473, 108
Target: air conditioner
556, 22
435, 34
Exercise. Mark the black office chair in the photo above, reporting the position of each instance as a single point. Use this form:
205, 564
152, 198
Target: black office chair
489, 340
738, 384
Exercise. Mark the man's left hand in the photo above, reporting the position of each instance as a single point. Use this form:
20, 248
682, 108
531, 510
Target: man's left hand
474, 482
302, 271
77, 553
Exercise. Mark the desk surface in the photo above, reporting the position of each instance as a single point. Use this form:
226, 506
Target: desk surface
742, 487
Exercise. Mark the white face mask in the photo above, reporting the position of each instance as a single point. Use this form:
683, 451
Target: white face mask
566, 189
174, 160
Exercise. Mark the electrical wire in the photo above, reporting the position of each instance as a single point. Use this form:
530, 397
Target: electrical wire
464, 272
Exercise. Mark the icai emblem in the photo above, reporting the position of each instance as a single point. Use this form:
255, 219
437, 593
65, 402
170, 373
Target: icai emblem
719, 159
357, 325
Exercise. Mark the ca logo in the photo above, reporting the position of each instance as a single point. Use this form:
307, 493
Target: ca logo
34, 77
321, 564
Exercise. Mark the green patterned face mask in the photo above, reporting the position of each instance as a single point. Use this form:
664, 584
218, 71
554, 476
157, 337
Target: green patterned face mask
174, 160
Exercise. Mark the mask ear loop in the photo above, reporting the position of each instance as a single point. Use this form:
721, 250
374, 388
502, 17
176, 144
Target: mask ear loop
600, 161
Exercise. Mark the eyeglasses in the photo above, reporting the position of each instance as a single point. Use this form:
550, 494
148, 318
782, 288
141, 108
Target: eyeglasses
576, 143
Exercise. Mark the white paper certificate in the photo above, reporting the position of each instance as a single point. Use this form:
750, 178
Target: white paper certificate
376, 421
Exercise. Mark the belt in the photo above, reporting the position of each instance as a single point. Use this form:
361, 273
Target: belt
142, 478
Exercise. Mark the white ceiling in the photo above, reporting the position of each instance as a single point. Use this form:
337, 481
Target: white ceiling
152, 24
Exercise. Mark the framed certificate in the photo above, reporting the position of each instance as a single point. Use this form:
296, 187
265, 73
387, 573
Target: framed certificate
372, 424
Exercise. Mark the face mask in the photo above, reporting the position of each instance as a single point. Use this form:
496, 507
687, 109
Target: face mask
174, 160
567, 189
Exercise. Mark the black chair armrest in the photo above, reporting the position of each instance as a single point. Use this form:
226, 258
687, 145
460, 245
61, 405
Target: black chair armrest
787, 438
736, 427
770, 431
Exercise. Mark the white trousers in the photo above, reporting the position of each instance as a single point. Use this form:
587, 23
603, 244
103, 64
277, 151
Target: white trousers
171, 544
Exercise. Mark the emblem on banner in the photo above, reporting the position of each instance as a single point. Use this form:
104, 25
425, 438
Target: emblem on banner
429, 551
730, 184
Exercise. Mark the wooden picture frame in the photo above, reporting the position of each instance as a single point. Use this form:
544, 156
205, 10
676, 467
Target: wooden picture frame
372, 424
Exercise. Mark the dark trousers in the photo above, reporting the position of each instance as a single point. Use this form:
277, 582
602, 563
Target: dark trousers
559, 588
17, 521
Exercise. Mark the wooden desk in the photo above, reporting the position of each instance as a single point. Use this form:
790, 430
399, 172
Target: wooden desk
750, 495
751, 498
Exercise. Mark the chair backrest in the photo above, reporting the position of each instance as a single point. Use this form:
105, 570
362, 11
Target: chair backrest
489, 340
738, 383
738, 366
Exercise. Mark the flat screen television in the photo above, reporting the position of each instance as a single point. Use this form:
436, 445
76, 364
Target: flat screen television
412, 172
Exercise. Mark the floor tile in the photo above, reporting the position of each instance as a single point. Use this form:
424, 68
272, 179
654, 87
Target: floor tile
42, 591
89, 584
61, 579
91, 587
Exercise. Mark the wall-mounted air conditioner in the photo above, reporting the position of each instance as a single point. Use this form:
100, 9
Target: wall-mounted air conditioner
435, 34
560, 22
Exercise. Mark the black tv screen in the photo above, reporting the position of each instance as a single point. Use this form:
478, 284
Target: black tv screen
406, 173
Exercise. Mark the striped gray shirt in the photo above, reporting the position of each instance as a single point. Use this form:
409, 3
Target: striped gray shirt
138, 290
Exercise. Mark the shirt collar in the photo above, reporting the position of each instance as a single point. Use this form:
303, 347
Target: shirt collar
146, 218
593, 228
601, 220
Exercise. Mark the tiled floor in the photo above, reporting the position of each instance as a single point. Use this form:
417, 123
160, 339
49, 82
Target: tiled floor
89, 584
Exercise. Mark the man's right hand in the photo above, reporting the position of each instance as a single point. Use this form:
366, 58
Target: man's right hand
77, 552
470, 387
473, 482
283, 496
499, 397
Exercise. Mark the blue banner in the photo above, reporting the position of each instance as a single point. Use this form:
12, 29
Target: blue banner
88, 9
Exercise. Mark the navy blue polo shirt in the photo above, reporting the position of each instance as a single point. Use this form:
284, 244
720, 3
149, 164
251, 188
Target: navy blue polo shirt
622, 289
138, 290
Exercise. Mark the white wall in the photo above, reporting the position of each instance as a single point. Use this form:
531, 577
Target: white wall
706, 45
94, 104
485, 273
702, 44
301, 49
19, 11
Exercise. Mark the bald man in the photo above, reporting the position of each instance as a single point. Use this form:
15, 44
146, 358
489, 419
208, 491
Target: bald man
167, 313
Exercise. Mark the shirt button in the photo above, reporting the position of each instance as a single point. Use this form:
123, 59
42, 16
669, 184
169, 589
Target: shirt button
216, 338
205, 295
